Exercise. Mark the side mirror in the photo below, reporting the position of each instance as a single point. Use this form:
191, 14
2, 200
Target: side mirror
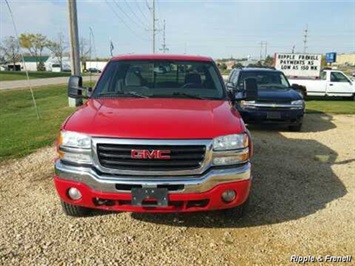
251, 89
301, 89
230, 86
75, 88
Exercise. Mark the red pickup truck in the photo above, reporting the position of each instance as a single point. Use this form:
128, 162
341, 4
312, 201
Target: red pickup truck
158, 133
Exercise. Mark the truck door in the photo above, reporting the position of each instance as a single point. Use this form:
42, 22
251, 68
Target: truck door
339, 85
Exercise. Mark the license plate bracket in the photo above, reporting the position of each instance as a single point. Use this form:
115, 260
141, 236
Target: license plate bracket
273, 115
149, 197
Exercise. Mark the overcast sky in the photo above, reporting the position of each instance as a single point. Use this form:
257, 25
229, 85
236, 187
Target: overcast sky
213, 28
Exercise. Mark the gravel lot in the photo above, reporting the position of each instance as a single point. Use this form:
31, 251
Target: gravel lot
302, 204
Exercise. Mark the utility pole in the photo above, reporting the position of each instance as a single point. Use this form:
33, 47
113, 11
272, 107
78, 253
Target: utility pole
90, 47
305, 39
154, 29
164, 47
265, 50
261, 50
74, 46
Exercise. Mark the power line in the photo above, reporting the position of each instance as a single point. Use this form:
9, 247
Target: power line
141, 11
128, 27
23, 61
147, 4
134, 13
124, 12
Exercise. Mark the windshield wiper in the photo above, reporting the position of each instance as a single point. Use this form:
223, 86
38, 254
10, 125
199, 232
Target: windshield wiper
187, 95
128, 93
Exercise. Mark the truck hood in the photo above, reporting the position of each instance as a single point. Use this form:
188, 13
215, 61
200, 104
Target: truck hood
278, 95
156, 118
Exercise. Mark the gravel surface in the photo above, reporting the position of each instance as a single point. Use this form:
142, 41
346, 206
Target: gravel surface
302, 204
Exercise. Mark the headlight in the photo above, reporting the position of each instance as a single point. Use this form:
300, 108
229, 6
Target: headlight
298, 104
247, 104
230, 149
75, 140
229, 159
230, 142
74, 147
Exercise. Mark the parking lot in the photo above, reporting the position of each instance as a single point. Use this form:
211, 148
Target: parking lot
302, 204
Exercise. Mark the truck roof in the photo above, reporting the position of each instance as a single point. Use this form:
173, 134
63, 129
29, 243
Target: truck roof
162, 57
259, 69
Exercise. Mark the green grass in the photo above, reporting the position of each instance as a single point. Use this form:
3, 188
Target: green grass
21, 75
21, 132
333, 106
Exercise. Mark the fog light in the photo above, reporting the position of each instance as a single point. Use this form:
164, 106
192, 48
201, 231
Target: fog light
228, 195
74, 193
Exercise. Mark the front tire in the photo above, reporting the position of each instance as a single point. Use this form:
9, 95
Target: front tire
295, 128
75, 211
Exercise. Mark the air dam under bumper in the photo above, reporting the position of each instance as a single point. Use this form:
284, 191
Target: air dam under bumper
200, 193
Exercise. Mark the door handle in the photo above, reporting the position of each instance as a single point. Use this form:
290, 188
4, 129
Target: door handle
330, 84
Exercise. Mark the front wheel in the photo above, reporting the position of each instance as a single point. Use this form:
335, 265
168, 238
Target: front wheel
295, 128
75, 211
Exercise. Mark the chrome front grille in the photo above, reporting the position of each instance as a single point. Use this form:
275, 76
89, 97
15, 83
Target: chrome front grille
187, 157
182, 157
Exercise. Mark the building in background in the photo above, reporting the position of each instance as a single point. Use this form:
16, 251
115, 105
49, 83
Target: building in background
52, 64
345, 60
99, 64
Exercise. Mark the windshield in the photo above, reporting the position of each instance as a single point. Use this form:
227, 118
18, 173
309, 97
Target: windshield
163, 78
265, 79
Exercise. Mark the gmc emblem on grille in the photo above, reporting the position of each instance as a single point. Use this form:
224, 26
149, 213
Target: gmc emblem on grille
154, 154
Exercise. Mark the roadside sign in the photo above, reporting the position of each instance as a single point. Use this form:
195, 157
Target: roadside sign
299, 65
331, 57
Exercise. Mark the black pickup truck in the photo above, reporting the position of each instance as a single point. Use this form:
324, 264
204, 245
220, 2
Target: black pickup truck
277, 101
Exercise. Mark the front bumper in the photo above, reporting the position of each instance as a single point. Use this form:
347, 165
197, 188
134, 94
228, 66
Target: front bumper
186, 193
290, 116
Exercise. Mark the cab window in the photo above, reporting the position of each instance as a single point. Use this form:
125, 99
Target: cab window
338, 77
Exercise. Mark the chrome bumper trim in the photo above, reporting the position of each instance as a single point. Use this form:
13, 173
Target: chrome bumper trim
274, 105
192, 184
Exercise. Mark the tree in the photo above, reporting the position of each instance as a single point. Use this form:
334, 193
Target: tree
324, 62
268, 61
58, 47
223, 66
238, 65
35, 44
10, 50
84, 50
